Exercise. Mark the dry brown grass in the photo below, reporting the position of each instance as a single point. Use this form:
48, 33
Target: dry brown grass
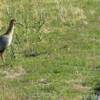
2, 7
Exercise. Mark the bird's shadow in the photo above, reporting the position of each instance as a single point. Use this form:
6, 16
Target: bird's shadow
35, 54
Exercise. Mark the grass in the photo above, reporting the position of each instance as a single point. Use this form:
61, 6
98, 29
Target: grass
65, 36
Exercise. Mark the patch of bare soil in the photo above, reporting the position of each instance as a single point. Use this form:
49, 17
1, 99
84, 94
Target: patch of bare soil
13, 73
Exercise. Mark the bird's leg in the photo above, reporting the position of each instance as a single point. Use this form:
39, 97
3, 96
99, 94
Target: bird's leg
2, 56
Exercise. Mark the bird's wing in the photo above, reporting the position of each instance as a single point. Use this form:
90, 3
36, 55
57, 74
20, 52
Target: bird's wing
3, 43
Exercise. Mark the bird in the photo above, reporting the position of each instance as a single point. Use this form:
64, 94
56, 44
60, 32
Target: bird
6, 38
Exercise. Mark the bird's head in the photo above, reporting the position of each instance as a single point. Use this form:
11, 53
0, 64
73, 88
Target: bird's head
13, 21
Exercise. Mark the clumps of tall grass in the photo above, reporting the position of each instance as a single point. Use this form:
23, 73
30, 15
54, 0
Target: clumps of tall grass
2, 7
71, 14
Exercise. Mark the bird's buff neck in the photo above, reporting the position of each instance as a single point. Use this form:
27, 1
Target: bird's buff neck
10, 29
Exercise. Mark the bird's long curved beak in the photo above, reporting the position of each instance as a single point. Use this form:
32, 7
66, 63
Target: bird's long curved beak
18, 23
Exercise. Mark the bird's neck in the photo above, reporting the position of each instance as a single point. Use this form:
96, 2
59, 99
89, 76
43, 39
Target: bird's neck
10, 29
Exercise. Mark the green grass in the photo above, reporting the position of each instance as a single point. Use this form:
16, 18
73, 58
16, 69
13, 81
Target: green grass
66, 35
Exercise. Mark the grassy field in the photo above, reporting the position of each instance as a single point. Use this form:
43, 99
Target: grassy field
55, 54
